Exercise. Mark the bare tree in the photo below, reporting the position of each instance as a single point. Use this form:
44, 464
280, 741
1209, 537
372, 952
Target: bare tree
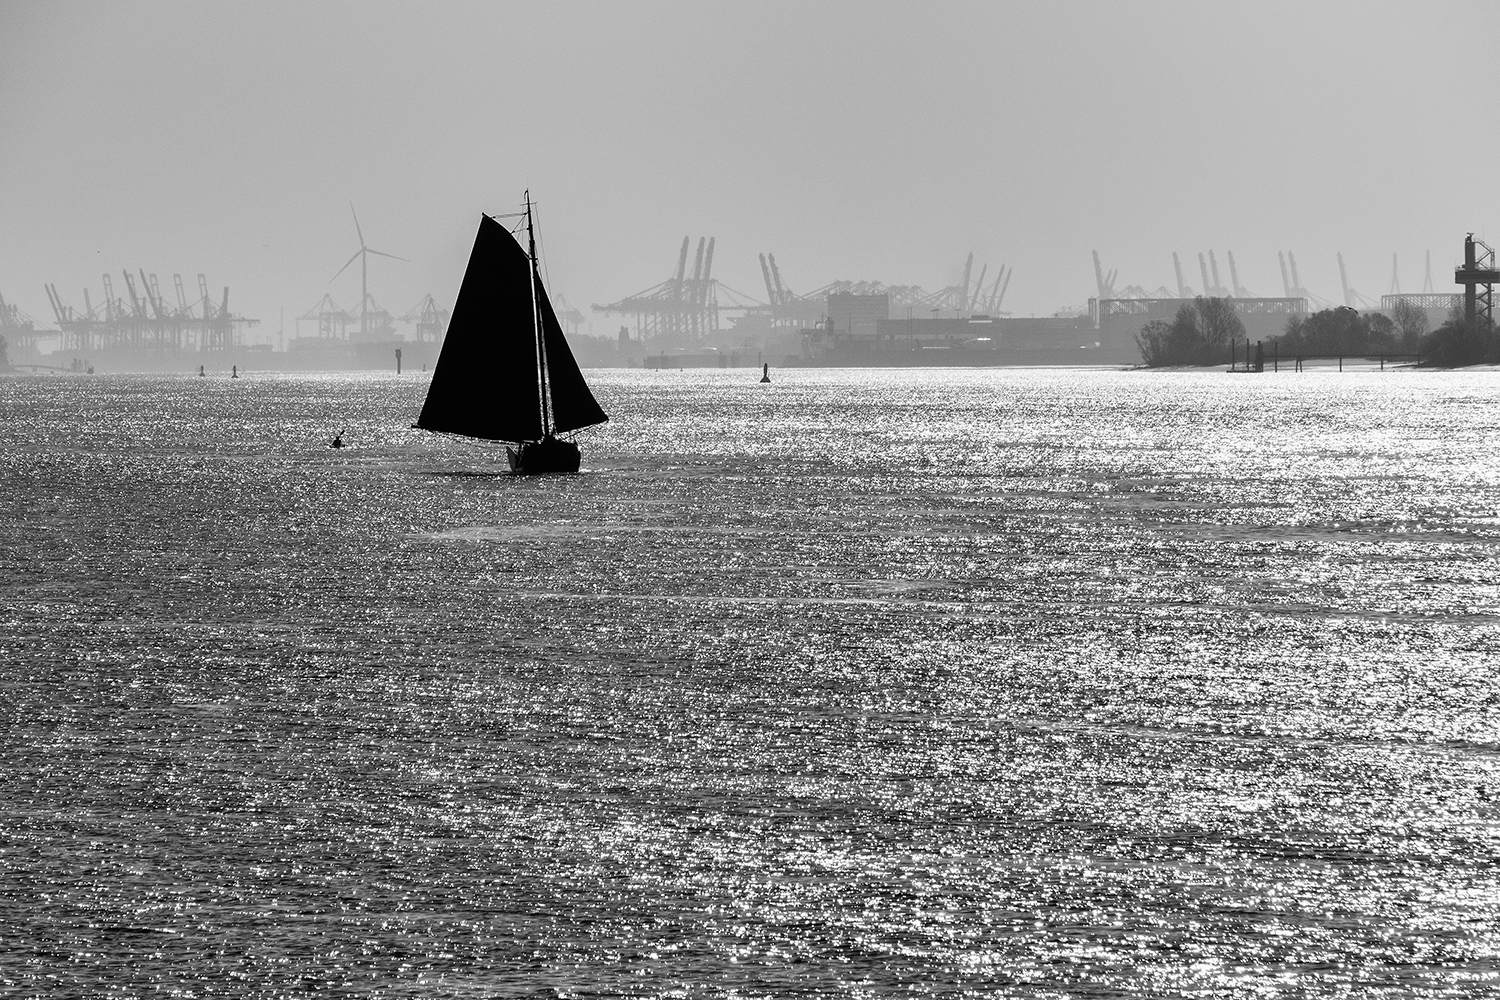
1183, 340
1411, 323
1154, 342
1218, 323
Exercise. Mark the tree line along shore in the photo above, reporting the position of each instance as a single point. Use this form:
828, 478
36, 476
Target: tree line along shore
1204, 331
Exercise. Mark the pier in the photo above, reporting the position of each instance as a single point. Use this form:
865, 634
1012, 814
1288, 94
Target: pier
1255, 360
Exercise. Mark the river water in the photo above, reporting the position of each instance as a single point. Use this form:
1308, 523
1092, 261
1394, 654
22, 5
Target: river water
1031, 683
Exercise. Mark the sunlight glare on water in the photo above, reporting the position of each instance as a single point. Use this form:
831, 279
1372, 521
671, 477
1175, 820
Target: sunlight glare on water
1034, 683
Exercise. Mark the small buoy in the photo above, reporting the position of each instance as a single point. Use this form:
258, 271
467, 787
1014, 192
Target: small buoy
765, 373
200, 372
236, 372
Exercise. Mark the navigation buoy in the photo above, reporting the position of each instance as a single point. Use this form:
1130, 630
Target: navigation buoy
765, 373
201, 373
236, 372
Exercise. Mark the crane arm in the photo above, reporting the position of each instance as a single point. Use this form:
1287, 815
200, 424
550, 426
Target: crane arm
698, 262
56, 300
765, 272
708, 267
1234, 278
151, 295
781, 293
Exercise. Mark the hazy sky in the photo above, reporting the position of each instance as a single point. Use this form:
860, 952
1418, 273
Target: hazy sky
863, 141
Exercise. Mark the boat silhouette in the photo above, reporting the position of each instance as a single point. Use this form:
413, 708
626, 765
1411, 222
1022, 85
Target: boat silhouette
505, 372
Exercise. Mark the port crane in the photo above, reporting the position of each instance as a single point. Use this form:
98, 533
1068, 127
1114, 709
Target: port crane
1352, 298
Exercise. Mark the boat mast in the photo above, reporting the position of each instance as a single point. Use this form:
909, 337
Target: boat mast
536, 324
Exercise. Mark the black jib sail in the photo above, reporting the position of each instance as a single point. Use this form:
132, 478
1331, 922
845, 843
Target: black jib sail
573, 405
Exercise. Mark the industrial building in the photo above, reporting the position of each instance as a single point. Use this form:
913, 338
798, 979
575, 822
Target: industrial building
859, 330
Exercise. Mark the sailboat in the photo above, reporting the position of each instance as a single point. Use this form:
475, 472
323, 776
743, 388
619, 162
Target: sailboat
505, 372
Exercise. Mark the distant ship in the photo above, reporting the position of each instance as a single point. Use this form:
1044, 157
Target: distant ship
505, 372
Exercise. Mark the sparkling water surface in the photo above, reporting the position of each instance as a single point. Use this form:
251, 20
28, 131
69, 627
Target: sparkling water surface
867, 683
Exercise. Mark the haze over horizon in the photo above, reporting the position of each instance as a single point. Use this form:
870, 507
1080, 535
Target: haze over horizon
854, 141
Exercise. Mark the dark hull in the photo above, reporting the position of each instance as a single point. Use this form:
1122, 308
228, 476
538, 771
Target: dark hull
546, 457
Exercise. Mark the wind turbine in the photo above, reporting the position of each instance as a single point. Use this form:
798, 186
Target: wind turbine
363, 255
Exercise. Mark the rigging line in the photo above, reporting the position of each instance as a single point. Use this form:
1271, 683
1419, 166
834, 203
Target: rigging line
542, 256
520, 218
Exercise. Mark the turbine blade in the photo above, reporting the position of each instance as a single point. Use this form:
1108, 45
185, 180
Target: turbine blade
346, 266
382, 253
356, 225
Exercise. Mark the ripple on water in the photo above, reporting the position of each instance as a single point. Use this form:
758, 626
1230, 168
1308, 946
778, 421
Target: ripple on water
1019, 682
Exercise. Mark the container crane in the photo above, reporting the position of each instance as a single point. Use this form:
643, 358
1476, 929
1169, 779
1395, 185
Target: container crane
1213, 265
997, 298
765, 273
1240, 291
782, 295
1352, 298
1183, 291
1106, 285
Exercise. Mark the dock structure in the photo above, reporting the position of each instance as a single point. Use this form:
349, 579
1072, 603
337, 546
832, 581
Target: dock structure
430, 320
332, 322
787, 309
686, 308
1255, 357
17, 328
146, 320
682, 308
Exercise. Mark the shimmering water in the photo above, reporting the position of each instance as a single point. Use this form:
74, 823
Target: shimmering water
864, 683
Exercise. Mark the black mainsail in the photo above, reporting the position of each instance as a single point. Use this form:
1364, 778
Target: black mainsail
505, 372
